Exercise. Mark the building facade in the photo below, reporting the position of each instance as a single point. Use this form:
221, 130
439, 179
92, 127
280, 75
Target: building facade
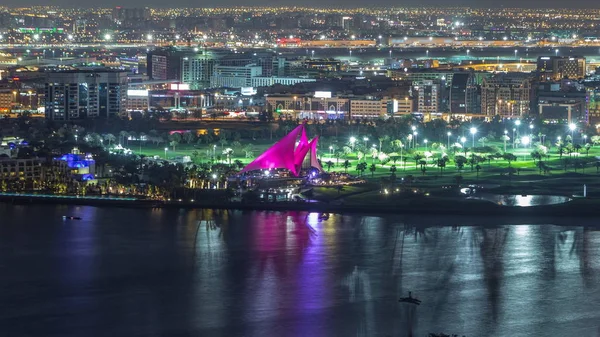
556, 68
463, 94
507, 94
80, 94
427, 94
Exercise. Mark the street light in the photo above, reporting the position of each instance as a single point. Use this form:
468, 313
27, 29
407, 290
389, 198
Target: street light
415, 134
463, 140
473, 132
448, 145
107, 37
352, 141
525, 140
330, 150
366, 139
572, 127
425, 141
166, 149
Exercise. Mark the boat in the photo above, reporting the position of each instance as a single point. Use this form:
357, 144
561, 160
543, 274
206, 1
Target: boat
324, 216
410, 299
71, 217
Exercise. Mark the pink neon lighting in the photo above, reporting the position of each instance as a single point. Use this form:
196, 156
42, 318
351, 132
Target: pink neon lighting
286, 155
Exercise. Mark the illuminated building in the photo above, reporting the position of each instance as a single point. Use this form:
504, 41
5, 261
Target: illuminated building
427, 95
556, 68
234, 77
79, 94
564, 103
506, 94
463, 94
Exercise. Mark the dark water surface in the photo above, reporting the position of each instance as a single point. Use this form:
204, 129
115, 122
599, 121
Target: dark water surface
128, 272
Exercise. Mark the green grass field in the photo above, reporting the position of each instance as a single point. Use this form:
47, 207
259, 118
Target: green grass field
527, 175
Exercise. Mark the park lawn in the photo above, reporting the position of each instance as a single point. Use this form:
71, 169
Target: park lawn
327, 193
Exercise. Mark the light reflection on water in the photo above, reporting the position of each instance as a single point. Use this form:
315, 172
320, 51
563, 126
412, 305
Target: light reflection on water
525, 200
232, 273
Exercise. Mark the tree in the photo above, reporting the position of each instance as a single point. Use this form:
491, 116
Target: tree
361, 167
175, 137
346, 165
189, 137
509, 157
123, 136
110, 138
460, 162
372, 168
587, 147
248, 151
478, 168
173, 144
228, 152
329, 165
238, 164
393, 169
441, 163
417, 157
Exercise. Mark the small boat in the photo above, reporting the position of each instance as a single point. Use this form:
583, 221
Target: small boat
71, 217
410, 299
324, 216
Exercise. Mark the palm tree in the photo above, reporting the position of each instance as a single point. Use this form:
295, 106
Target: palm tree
346, 165
393, 169
123, 137
329, 165
228, 152
110, 138
372, 168
417, 157
441, 163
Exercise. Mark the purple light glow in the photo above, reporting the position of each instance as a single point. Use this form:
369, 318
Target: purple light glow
282, 155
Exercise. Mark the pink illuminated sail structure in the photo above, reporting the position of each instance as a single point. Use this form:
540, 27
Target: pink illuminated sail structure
285, 154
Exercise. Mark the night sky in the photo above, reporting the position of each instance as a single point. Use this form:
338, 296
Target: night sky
311, 3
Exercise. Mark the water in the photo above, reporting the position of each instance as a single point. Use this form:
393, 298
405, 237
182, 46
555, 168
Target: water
128, 272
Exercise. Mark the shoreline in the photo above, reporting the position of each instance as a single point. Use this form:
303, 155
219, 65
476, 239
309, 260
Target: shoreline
414, 207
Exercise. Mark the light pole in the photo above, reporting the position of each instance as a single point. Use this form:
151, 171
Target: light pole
415, 134
463, 140
214, 152
514, 139
572, 127
425, 141
525, 140
352, 141
366, 139
166, 149
505, 136
518, 123
330, 150
584, 139
473, 132
530, 134
448, 145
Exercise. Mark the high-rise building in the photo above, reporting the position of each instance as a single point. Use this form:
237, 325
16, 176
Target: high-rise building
79, 94
565, 102
234, 77
556, 68
506, 94
427, 93
463, 94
